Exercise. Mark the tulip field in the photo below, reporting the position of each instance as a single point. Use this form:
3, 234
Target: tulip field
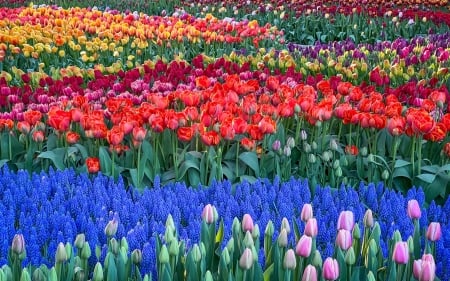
234, 140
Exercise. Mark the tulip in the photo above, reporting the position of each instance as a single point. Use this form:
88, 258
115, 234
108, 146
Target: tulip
246, 260
136, 256
98, 272
247, 223
111, 227
425, 268
289, 261
310, 273
346, 220
18, 244
307, 212
283, 238
80, 240
330, 269
311, 227
368, 219
209, 214
304, 246
401, 253
434, 231
285, 225
61, 254
344, 239
414, 209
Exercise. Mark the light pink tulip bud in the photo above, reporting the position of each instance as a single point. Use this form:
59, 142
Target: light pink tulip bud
18, 244
307, 212
414, 209
285, 225
368, 218
417, 268
246, 260
283, 238
434, 231
401, 253
346, 220
330, 269
247, 223
311, 227
344, 239
289, 261
310, 273
208, 214
304, 246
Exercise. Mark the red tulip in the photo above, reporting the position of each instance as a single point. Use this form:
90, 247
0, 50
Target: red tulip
210, 138
72, 137
185, 134
93, 164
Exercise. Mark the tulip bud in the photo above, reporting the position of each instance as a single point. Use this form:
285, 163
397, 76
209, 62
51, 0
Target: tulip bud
236, 226
136, 256
247, 223
311, 227
314, 145
364, 152
80, 240
164, 255
25, 276
307, 212
401, 253
356, 233
370, 276
283, 238
256, 233
317, 259
290, 142
344, 239
285, 225
289, 261
248, 240
414, 211
98, 272
287, 151
303, 135
434, 231
196, 254
330, 269
38, 275
304, 246
336, 164
174, 248
410, 243
350, 257
169, 222
312, 158
310, 273
86, 251
230, 245
226, 256
208, 276
385, 175
346, 220
111, 227
338, 172
124, 244
368, 219
208, 214
114, 246
276, 145
428, 270
18, 244
307, 147
61, 255
246, 260
269, 229
397, 236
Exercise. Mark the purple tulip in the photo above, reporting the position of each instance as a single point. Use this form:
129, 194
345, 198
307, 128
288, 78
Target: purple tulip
304, 246
344, 239
330, 269
311, 227
401, 253
434, 231
310, 273
414, 209
346, 220
307, 212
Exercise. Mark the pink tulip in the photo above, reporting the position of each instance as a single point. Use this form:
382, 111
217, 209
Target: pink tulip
401, 253
307, 212
434, 231
304, 246
246, 260
414, 209
344, 239
289, 261
425, 268
330, 269
311, 227
310, 273
208, 214
346, 220
247, 223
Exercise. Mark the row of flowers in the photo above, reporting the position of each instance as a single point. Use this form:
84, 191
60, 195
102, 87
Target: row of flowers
62, 204
232, 129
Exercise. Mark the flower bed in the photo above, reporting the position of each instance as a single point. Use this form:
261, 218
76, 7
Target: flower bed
52, 208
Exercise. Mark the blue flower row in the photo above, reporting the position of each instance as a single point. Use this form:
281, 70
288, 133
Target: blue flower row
49, 208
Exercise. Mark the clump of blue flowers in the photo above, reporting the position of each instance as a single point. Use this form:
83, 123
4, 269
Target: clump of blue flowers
49, 208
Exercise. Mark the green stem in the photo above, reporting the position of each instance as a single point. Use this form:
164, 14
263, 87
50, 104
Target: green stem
10, 146
413, 147
112, 163
237, 160
175, 155
419, 155
139, 166
394, 156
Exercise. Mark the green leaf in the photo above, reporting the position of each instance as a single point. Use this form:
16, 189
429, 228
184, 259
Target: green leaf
402, 172
82, 150
401, 163
428, 178
56, 156
186, 165
105, 160
432, 169
251, 160
3, 162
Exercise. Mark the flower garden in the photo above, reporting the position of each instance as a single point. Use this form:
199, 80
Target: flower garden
206, 140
